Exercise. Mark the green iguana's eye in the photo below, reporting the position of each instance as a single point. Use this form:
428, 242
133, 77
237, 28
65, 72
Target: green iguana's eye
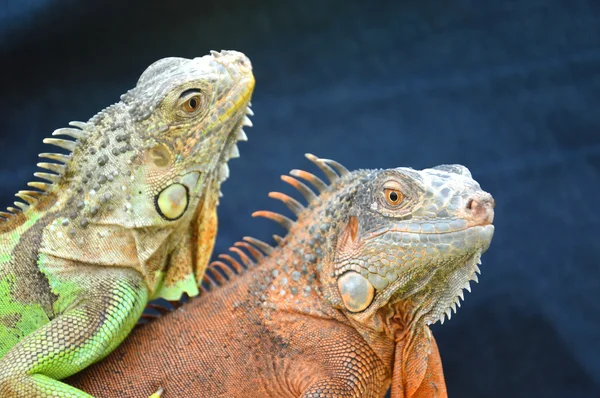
190, 101
192, 104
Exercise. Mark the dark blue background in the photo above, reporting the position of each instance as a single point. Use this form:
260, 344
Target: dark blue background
511, 89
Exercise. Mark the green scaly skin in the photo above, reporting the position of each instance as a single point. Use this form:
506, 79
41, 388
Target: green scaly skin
129, 214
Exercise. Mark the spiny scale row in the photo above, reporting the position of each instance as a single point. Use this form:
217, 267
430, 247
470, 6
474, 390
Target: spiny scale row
29, 197
234, 152
453, 307
221, 270
58, 169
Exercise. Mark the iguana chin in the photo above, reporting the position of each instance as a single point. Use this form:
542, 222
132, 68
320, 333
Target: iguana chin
127, 215
340, 308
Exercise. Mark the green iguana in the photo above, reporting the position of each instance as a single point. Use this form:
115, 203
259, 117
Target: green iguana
340, 308
129, 214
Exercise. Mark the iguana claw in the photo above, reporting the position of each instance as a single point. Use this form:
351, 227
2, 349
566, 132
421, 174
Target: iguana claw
158, 393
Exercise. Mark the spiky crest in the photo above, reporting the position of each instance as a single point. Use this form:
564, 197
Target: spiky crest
31, 198
227, 267
259, 249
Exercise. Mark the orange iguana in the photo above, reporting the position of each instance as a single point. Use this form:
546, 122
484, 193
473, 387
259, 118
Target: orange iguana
340, 308
129, 214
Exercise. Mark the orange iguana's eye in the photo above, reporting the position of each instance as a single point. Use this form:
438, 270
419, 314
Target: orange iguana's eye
192, 104
393, 196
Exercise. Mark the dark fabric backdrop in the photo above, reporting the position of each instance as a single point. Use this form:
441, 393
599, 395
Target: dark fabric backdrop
511, 89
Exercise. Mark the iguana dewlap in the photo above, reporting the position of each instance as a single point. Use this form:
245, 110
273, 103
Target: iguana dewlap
128, 214
340, 308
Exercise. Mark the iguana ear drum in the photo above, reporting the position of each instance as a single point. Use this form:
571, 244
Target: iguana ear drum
172, 201
357, 292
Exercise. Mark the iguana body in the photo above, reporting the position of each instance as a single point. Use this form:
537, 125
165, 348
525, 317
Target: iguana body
128, 215
340, 308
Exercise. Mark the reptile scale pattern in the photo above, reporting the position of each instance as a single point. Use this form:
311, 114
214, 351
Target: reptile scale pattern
277, 326
128, 214
62, 349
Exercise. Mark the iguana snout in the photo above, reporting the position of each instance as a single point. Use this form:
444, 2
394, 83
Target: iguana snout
480, 209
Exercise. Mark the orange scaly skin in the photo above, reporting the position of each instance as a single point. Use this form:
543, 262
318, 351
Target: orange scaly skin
340, 308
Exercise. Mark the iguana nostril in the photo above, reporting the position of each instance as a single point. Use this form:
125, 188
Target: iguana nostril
481, 207
470, 204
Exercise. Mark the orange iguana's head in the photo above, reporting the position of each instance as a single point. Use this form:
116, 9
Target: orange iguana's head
408, 237
385, 242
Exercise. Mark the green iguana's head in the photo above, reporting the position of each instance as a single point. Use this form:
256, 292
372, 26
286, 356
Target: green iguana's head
144, 174
188, 116
406, 237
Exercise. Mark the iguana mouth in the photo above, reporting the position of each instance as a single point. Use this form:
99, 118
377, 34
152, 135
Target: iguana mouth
405, 230
461, 267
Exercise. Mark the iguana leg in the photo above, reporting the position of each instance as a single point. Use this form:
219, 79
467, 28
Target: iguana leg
417, 369
95, 323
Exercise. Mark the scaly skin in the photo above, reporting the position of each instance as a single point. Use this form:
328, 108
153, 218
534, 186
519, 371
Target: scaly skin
130, 215
340, 308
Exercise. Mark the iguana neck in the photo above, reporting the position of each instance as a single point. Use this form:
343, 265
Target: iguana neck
293, 269
99, 157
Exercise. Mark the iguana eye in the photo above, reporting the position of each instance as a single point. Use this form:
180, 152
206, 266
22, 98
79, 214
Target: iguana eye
398, 195
393, 196
192, 104
190, 101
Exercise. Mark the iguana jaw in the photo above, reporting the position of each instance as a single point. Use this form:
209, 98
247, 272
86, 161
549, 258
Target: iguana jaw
428, 286
432, 290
